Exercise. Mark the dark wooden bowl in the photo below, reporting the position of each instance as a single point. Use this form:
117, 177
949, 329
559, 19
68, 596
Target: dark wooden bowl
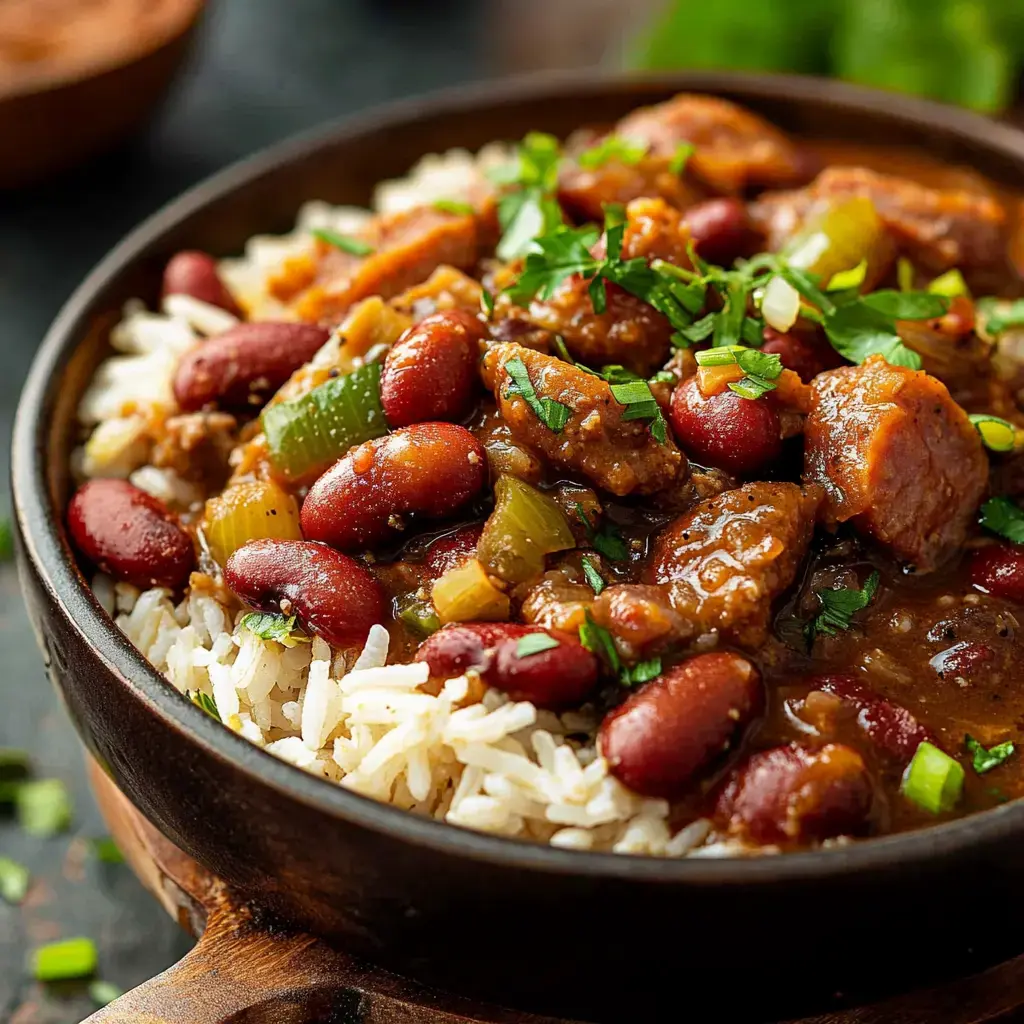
52, 123
585, 935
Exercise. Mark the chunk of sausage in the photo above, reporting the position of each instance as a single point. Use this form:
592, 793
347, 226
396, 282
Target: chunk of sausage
405, 249
938, 229
629, 331
619, 455
662, 737
794, 795
723, 564
897, 457
734, 149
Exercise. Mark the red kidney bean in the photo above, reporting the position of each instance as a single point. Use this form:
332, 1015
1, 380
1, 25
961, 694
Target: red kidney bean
554, 678
130, 535
431, 371
242, 367
452, 549
195, 273
428, 470
999, 570
721, 230
725, 431
962, 661
662, 737
799, 354
891, 727
332, 595
791, 794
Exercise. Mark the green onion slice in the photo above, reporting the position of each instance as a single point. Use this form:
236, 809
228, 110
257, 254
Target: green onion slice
43, 807
997, 434
933, 780
58, 961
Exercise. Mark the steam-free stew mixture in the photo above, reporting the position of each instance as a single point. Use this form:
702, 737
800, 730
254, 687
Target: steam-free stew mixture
708, 430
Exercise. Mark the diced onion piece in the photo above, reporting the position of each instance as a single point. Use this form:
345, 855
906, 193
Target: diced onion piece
465, 594
369, 324
249, 511
712, 380
306, 435
525, 526
837, 237
933, 780
950, 284
780, 305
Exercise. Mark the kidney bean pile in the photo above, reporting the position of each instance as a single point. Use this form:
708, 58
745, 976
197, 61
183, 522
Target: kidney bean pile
710, 429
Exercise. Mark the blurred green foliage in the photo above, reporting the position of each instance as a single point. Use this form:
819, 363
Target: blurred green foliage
960, 51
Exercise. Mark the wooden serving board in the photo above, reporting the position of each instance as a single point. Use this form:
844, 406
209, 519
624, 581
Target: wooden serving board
242, 972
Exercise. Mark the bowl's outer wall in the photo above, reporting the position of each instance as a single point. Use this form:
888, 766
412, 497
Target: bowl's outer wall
524, 925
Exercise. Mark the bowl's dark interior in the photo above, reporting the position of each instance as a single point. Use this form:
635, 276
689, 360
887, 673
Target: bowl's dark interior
410, 891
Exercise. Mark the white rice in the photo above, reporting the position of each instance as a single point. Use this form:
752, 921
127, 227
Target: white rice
496, 765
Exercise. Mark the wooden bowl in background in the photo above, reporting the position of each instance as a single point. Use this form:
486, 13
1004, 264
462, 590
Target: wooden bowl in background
76, 77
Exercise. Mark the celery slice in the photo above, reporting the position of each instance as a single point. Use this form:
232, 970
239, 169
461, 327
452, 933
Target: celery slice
306, 435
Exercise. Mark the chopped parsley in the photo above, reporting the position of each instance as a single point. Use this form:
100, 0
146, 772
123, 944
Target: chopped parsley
552, 414
641, 404
838, 607
59, 961
14, 880
641, 672
529, 210
760, 369
534, 643
43, 807
612, 147
453, 206
997, 434
599, 641
270, 625
204, 702
487, 303
999, 315
346, 243
1004, 517
681, 157
593, 577
984, 760
607, 540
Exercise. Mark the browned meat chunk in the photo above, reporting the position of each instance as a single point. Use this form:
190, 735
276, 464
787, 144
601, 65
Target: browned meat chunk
629, 332
406, 248
896, 456
734, 148
936, 228
558, 601
197, 447
723, 564
619, 455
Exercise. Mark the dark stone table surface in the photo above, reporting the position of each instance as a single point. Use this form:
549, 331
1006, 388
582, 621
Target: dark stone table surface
262, 70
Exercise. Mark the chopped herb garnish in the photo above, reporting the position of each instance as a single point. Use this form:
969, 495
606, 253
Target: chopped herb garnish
530, 210
641, 672
997, 434
557, 256
640, 404
59, 961
838, 607
534, 643
594, 578
599, 641
561, 350
681, 157
204, 702
103, 993
107, 851
612, 147
270, 625
346, 243
999, 315
6, 540
14, 879
984, 760
760, 369
487, 303
43, 807
453, 206
605, 541
552, 414
1002, 516
663, 377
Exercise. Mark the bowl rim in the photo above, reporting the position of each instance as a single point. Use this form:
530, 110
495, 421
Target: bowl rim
44, 548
